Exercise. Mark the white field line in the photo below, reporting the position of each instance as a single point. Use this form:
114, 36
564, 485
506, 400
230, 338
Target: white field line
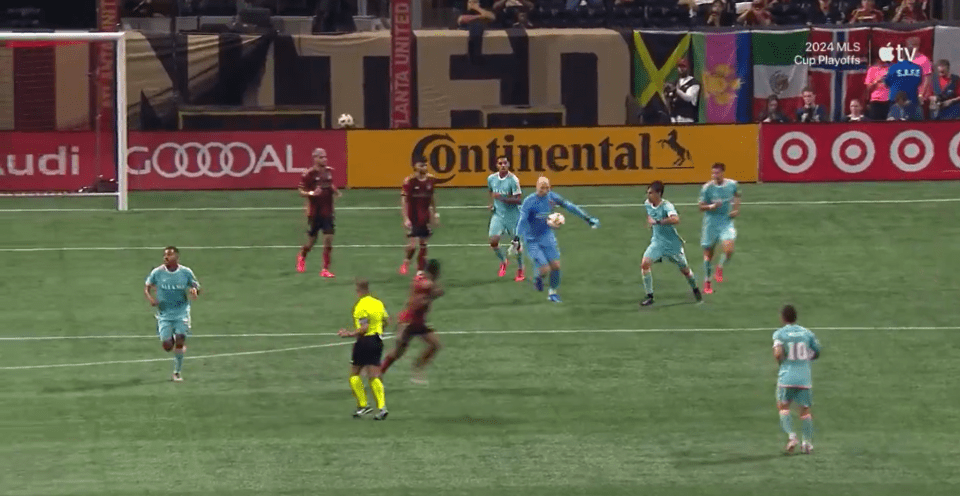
255, 247
329, 345
481, 207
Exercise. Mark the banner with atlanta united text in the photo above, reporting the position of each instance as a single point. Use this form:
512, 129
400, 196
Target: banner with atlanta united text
880, 151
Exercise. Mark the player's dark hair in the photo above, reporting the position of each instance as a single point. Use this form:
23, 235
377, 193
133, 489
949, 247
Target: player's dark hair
657, 186
172, 248
789, 314
363, 285
419, 160
433, 268
719, 165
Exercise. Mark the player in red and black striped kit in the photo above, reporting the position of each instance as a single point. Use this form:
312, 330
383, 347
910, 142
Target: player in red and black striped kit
423, 291
419, 213
316, 185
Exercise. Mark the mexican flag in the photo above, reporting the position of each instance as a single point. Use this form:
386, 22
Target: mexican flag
776, 71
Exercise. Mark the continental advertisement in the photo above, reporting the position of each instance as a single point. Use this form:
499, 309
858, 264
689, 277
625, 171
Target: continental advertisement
568, 156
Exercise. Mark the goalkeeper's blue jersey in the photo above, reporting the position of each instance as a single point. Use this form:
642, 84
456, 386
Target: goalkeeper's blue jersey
533, 216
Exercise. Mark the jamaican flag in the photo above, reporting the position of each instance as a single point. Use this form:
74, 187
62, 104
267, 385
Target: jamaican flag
655, 62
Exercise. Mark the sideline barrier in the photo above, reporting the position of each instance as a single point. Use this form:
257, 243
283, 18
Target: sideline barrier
184, 160
880, 151
568, 156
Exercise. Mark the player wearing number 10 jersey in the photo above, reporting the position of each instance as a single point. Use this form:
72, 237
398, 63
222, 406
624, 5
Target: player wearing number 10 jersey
794, 348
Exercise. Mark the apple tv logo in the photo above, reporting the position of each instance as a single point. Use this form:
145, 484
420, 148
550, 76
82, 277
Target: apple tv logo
900, 53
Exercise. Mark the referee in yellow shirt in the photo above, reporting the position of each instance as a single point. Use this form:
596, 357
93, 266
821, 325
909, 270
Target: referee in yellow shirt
369, 318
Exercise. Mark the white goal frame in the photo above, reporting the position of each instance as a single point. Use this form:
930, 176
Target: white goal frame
120, 83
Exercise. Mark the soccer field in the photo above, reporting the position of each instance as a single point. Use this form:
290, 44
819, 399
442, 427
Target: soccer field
593, 396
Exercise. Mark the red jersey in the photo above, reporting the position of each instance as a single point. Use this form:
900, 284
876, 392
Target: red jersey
322, 180
418, 304
419, 194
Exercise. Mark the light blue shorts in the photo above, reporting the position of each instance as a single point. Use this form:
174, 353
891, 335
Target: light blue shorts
542, 252
658, 254
800, 396
503, 224
711, 235
166, 329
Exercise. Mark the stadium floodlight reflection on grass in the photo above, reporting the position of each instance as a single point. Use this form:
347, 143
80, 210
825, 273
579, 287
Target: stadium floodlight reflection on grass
108, 158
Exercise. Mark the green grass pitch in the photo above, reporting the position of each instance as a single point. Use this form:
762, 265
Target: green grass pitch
677, 399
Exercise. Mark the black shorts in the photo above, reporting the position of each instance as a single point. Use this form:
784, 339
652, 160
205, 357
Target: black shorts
320, 223
419, 231
368, 350
416, 329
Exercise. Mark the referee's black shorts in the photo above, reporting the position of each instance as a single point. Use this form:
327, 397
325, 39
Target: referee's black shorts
368, 350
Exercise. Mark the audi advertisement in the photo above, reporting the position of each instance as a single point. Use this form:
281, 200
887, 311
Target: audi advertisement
168, 160
882, 151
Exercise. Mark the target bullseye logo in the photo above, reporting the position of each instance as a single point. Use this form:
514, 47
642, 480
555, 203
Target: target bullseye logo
794, 152
853, 152
955, 150
912, 150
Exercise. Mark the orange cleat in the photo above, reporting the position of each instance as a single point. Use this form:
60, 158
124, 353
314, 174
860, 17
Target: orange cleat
719, 274
520, 275
707, 288
326, 273
403, 267
503, 269
301, 263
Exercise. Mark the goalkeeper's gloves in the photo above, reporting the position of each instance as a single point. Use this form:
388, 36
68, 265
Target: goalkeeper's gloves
514, 246
594, 222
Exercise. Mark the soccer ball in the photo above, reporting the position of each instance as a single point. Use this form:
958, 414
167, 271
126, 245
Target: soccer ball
345, 120
555, 219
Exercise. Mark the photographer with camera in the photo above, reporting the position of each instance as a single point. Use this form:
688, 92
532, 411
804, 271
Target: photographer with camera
945, 102
683, 96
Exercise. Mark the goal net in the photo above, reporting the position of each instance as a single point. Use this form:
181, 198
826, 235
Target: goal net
63, 120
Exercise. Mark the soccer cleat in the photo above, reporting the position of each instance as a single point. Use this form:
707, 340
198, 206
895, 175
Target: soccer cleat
806, 448
177, 377
647, 301
520, 276
381, 415
362, 411
791, 445
503, 269
403, 267
538, 283
326, 273
697, 295
554, 298
719, 274
707, 288
301, 263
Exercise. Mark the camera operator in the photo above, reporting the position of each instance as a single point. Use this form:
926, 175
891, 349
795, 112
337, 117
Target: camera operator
945, 102
683, 96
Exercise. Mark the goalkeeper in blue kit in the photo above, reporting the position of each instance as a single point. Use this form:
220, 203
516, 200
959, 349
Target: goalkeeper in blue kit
170, 287
537, 234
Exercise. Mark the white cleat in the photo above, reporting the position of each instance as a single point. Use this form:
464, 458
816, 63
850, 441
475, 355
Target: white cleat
791, 445
177, 377
806, 449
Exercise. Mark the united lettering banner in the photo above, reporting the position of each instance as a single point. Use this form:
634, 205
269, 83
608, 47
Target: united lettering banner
168, 160
881, 151
568, 156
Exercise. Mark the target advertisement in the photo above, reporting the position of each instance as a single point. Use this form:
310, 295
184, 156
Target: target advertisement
881, 151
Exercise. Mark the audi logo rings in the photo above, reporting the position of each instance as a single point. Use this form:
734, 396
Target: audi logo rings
193, 160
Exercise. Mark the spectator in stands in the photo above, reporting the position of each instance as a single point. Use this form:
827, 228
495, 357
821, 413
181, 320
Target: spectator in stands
926, 66
945, 101
810, 111
826, 12
909, 11
683, 96
856, 113
879, 93
514, 12
475, 15
773, 113
756, 15
718, 15
903, 109
574, 4
866, 13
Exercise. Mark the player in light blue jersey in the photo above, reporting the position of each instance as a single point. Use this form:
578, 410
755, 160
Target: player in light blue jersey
505, 199
794, 348
537, 234
665, 243
170, 287
720, 203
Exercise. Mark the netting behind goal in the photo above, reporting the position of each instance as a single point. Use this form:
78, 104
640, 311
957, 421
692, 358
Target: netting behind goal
62, 117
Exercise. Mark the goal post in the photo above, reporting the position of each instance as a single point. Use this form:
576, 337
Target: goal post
25, 150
